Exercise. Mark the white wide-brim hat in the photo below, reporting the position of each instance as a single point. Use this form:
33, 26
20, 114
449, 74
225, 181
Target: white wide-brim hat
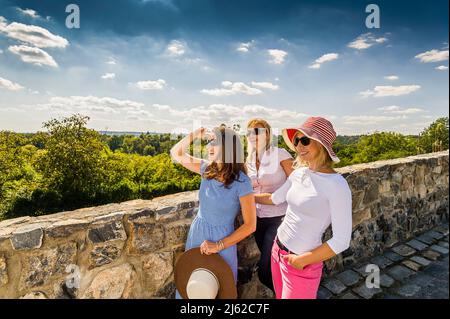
199, 276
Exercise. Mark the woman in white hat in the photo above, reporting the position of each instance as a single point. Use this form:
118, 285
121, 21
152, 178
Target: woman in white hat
225, 191
317, 196
268, 167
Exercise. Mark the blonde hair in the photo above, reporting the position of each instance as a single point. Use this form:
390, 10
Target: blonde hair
254, 122
322, 159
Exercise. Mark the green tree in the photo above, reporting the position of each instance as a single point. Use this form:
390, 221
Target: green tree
17, 176
73, 161
435, 137
382, 146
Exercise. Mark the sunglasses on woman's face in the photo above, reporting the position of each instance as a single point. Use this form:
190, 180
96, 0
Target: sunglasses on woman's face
256, 131
212, 142
304, 140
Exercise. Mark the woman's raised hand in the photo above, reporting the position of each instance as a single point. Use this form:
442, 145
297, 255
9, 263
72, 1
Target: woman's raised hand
199, 133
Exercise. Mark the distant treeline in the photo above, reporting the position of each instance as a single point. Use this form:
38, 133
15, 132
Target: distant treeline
70, 166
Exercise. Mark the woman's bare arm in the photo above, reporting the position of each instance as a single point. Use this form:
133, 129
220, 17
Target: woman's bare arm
264, 198
179, 152
248, 209
287, 166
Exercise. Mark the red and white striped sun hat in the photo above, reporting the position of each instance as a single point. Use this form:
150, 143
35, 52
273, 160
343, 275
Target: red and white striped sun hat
316, 128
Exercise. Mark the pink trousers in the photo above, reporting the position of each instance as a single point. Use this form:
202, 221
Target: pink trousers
292, 283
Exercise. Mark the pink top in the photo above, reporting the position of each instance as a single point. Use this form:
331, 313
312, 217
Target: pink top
268, 179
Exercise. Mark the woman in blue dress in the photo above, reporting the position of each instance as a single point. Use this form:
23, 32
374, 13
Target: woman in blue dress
225, 190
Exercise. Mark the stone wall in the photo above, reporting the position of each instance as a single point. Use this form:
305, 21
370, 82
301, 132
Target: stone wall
128, 250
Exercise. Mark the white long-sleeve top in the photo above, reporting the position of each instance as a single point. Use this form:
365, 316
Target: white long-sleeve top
315, 200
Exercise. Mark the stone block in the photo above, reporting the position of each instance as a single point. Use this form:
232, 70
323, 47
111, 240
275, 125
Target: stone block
430, 254
66, 228
37, 269
393, 256
443, 244
27, 237
348, 277
404, 250
334, 285
176, 232
420, 260
107, 229
366, 292
381, 261
400, 273
146, 237
417, 245
104, 254
3, 271
157, 268
112, 283
361, 216
386, 281
439, 249
349, 295
324, 293
412, 265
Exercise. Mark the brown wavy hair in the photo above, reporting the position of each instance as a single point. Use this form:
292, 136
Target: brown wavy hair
231, 155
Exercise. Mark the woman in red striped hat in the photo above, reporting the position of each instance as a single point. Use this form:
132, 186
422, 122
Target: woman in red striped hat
317, 196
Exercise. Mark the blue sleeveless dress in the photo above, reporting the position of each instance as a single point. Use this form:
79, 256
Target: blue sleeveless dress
218, 208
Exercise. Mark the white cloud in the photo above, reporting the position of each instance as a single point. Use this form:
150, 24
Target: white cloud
391, 77
323, 59
277, 56
32, 55
231, 114
365, 41
245, 47
382, 91
230, 88
176, 48
394, 109
109, 76
161, 107
31, 34
381, 40
1, 51
89, 104
111, 61
433, 56
441, 68
114, 112
366, 120
159, 84
29, 12
265, 85
10, 86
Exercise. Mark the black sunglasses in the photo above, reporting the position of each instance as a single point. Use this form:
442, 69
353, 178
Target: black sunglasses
256, 131
212, 142
304, 140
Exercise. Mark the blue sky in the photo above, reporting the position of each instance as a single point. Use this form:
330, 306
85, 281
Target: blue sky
167, 65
